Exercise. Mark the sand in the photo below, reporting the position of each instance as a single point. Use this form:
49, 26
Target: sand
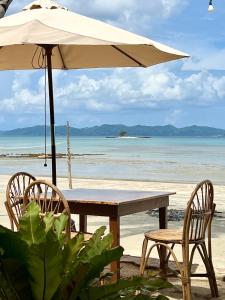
133, 226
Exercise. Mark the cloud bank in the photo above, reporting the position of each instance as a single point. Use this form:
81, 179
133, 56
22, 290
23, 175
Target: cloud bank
157, 87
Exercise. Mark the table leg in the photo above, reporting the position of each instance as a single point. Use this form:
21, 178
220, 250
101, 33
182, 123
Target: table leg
83, 223
114, 224
163, 218
163, 223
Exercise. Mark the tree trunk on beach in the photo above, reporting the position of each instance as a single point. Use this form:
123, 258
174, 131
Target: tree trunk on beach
4, 4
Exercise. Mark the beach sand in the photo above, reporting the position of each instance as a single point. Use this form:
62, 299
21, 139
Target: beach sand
133, 226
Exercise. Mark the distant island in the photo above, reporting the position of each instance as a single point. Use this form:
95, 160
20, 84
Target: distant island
116, 130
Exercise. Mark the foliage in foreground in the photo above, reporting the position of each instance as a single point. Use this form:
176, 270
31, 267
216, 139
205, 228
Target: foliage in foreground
39, 262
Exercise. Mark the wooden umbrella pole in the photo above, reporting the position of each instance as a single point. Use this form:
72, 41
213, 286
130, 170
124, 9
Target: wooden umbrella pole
69, 154
48, 49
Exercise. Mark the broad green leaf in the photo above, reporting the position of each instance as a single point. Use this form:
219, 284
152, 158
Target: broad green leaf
96, 245
107, 291
98, 263
48, 221
32, 229
45, 268
60, 225
154, 284
12, 263
7, 290
71, 258
14, 280
136, 283
94, 269
39, 260
11, 245
78, 282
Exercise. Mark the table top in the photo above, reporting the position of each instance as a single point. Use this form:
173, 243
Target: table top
111, 196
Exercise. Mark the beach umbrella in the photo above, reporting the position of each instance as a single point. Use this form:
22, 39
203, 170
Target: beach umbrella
46, 32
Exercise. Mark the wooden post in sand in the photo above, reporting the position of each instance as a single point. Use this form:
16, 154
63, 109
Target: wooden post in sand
69, 155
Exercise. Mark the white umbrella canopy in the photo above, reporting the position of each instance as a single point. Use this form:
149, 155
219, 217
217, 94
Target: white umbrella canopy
71, 41
81, 42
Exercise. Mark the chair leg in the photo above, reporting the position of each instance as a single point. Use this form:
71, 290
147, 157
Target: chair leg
185, 275
214, 279
143, 256
211, 263
184, 271
163, 262
186, 287
210, 272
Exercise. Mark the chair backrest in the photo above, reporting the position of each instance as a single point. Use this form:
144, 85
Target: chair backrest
49, 198
199, 212
14, 196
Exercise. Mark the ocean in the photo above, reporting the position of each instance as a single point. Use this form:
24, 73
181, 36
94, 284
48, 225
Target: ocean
165, 159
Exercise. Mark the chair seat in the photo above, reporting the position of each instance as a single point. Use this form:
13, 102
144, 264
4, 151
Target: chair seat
165, 235
87, 236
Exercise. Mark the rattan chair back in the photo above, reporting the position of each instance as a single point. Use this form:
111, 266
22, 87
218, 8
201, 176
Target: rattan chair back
199, 212
14, 196
49, 198
197, 221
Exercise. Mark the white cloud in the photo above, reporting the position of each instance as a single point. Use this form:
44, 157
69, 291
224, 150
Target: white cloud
200, 88
155, 87
24, 98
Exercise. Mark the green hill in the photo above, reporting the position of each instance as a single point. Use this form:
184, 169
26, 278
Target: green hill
114, 130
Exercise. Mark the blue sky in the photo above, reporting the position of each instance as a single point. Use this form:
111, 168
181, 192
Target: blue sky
181, 93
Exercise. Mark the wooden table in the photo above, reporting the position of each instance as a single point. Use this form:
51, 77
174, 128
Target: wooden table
114, 204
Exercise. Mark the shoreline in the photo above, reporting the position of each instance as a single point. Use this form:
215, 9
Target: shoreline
186, 182
42, 155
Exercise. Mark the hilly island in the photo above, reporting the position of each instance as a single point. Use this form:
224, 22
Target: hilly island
106, 130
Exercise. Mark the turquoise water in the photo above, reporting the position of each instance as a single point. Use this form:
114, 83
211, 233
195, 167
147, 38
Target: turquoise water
155, 159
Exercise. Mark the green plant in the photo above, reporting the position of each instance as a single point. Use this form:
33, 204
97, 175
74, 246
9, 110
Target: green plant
40, 263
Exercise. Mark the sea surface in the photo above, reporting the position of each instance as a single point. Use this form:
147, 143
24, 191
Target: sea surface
166, 159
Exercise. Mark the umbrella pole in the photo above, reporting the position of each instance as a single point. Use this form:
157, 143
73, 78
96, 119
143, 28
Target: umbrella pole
48, 49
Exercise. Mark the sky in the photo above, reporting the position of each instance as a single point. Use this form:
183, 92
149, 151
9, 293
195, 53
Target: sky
182, 93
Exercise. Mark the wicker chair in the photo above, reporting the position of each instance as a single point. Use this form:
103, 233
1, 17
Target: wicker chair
14, 196
50, 199
197, 221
